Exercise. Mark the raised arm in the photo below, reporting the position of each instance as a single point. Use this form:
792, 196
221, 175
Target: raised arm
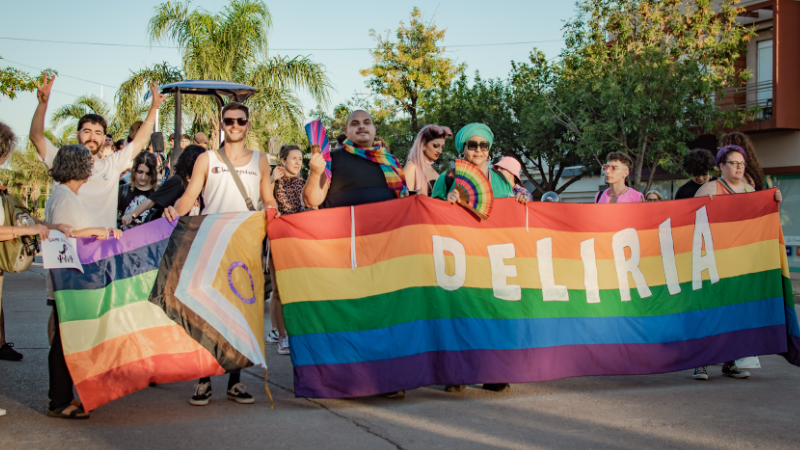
37, 124
316, 188
193, 190
143, 135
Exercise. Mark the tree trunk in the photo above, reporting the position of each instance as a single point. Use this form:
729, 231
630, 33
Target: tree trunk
652, 175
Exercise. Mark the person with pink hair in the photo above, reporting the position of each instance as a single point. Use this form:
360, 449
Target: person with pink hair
427, 148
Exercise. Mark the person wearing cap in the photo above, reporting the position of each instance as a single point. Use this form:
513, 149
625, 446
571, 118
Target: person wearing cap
510, 167
474, 141
201, 139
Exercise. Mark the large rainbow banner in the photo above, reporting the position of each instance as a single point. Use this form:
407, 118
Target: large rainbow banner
167, 302
415, 291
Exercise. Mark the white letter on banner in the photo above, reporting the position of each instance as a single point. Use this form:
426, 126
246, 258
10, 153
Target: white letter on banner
668, 257
590, 271
455, 281
628, 238
702, 232
501, 272
550, 290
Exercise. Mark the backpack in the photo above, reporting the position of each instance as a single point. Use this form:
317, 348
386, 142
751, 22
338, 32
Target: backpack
16, 255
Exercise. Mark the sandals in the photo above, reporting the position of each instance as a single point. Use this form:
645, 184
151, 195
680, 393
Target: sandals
77, 413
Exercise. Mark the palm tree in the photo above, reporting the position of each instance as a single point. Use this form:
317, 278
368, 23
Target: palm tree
89, 104
26, 176
231, 45
60, 138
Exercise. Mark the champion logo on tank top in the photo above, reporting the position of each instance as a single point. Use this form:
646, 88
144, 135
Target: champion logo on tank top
240, 170
221, 195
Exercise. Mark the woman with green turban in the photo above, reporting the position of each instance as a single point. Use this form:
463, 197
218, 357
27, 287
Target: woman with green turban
474, 142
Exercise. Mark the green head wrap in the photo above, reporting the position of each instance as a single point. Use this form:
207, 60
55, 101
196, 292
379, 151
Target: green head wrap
473, 129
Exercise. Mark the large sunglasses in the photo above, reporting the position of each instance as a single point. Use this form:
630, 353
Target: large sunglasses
474, 145
229, 121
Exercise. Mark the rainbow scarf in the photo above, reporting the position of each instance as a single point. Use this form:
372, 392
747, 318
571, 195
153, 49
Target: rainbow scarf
395, 178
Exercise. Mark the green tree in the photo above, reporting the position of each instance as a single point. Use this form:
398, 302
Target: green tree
410, 70
14, 80
231, 45
645, 77
26, 177
542, 142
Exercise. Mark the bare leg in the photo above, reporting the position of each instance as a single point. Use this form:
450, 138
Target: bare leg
276, 301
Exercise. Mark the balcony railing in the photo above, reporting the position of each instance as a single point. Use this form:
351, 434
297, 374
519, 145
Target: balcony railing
748, 96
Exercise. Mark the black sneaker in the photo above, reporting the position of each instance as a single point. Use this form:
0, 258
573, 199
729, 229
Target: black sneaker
455, 388
497, 387
397, 394
202, 394
700, 373
733, 371
238, 393
8, 353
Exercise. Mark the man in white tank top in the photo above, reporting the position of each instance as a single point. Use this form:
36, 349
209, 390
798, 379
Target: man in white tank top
212, 179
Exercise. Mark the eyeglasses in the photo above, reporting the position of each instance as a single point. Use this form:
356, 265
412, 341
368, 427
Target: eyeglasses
229, 122
735, 164
611, 168
474, 145
185, 140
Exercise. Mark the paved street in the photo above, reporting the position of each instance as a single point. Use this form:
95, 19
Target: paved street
631, 412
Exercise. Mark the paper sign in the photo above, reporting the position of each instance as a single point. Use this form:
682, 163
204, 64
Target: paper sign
59, 252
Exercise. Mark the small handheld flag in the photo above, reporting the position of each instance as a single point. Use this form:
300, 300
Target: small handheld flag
318, 138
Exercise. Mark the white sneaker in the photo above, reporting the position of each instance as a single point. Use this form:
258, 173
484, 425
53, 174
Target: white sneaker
283, 346
2, 412
273, 336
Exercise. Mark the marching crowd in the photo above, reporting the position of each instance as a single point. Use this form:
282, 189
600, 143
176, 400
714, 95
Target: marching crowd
88, 200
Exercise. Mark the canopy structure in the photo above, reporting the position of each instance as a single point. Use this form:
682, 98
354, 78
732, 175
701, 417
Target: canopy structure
219, 90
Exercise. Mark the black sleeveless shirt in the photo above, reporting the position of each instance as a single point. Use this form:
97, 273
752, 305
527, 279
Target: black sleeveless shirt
355, 181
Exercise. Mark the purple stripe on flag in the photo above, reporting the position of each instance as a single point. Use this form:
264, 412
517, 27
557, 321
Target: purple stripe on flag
531, 365
91, 249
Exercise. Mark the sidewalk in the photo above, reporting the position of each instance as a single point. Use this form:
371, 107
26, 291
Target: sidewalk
664, 411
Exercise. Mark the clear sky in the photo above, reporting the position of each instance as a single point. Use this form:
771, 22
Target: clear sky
296, 25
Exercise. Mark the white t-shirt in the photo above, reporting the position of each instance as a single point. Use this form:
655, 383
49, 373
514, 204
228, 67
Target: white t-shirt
65, 207
99, 194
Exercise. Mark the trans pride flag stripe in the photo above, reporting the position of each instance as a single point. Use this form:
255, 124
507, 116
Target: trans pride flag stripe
158, 305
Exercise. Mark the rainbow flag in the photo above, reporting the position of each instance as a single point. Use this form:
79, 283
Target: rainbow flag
167, 302
414, 292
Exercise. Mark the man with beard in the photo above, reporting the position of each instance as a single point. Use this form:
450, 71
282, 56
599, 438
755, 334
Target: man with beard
357, 170
212, 179
99, 194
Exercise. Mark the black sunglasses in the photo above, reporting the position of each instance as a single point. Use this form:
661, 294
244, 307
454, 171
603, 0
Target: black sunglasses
473, 145
229, 122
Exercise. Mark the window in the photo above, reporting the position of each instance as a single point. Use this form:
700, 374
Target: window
764, 73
